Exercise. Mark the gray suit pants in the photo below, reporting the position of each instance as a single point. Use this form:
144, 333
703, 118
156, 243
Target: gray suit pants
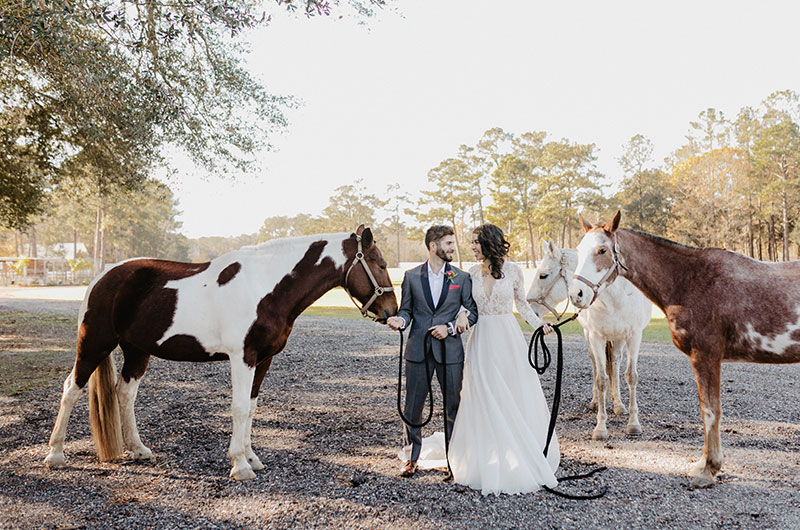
417, 377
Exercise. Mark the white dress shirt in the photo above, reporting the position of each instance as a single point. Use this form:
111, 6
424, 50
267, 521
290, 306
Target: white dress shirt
435, 282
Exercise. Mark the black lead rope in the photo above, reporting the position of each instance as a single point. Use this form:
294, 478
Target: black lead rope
537, 341
428, 348
399, 391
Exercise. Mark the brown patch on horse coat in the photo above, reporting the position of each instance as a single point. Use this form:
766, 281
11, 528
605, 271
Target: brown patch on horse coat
228, 273
132, 287
278, 310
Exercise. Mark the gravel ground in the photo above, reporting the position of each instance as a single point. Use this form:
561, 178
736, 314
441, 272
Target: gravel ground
327, 431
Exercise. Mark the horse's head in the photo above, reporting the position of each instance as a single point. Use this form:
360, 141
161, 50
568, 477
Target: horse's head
367, 279
598, 262
551, 280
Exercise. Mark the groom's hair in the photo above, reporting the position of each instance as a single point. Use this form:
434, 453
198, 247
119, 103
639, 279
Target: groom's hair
437, 232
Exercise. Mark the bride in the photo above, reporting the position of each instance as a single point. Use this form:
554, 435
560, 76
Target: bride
500, 430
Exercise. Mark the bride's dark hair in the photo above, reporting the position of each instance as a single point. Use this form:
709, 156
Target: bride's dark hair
494, 247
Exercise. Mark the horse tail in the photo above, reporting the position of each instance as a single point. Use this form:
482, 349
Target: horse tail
104, 411
610, 366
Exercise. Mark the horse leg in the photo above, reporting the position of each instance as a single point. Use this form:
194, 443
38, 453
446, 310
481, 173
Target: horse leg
593, 404
69, 397
632, 378
127, 387
597, 347
707, 368
242, 377
92, 350
261, 371
613, 361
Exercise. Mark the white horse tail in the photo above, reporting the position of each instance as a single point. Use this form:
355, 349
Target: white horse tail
104, 411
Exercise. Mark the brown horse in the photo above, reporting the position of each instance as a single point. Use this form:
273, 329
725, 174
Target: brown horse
720, 305
240, 306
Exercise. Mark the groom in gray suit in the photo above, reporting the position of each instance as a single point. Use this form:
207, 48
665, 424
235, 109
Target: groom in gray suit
433, 295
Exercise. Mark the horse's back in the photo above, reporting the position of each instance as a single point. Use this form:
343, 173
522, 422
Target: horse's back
116, 296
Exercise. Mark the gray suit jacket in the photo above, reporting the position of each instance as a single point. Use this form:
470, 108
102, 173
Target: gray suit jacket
417, 309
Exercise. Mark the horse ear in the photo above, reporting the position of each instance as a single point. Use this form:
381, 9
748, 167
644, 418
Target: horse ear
614, 224
553, 248
584, 224
545, 246
359, 229
366, 236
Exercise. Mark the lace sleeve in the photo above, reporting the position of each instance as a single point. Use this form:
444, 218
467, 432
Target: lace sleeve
523, 307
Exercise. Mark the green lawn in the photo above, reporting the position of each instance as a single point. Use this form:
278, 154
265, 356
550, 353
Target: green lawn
656, 331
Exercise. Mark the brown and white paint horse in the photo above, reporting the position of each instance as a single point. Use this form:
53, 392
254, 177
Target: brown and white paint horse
720, 306
240, 306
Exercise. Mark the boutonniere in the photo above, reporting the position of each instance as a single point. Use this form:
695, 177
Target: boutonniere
449, 275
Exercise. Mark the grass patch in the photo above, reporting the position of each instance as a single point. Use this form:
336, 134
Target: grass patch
36, 350
347, 313
656, 331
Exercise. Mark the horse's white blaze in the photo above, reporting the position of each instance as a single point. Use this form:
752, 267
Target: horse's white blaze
218, 318
777, 344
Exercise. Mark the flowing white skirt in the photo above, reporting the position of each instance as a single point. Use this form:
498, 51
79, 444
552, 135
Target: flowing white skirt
502, 421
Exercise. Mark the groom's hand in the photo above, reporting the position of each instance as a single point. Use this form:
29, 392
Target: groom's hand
462, 323
438, 332
395, 323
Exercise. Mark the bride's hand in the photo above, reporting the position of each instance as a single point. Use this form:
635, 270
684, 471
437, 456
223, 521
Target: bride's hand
462, 323
547, 328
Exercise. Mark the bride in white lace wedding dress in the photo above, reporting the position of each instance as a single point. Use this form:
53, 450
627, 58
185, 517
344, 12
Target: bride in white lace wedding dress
501, 425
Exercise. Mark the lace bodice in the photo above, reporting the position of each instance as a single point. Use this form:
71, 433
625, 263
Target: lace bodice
506, 291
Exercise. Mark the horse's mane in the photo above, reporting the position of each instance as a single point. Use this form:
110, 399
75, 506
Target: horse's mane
664, 240
284, 242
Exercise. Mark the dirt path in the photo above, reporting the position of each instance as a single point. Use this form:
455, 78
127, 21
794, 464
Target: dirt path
328, 432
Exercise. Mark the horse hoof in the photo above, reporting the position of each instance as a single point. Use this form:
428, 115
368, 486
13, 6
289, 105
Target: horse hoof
255, 463
143, 454
703, 480
55, 460
243, 474
634, 429
593, 405
620, 410
598, 434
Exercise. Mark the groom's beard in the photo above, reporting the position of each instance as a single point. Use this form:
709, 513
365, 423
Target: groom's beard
441, 253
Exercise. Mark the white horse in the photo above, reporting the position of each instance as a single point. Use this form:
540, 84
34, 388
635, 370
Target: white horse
618, 316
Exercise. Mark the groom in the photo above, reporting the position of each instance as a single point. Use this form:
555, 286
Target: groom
433, 294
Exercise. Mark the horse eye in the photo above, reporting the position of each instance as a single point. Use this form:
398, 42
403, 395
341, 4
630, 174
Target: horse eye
383, 267
601, 251
543, 276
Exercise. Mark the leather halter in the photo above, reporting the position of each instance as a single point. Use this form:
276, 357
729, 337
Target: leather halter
541, 299
615, 267
379, 290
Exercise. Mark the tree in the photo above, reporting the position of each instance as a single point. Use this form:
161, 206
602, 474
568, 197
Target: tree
449, 200
776, 153
515, 190
349, 206
709, 207
120, 79
569, 182
282, 226
643, 194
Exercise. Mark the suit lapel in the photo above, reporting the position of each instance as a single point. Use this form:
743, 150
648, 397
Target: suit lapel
445, 286
426, 286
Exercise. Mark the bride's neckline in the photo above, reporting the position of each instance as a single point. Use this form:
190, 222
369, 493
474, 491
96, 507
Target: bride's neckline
486, 275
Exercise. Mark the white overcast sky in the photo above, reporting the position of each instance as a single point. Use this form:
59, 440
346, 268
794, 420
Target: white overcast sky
387, 101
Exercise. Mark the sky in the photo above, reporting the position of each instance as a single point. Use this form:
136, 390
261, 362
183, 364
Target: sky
388, 100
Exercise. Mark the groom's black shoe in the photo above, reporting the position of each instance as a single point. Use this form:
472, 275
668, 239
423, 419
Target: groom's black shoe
449, 477
409, 469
